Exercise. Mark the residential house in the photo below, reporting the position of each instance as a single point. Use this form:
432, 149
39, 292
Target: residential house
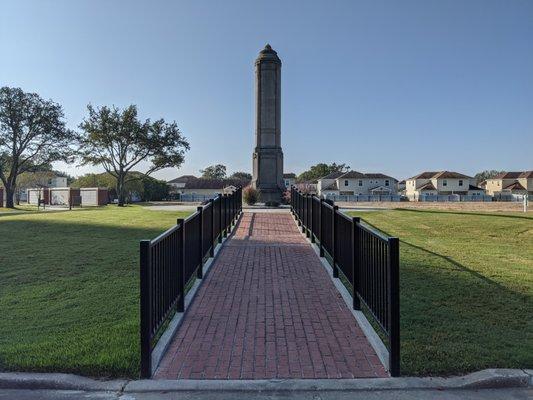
441, 183
355, 183
510, 183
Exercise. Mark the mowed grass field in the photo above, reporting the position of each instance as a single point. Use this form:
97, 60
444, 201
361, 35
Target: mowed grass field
69, 289
466, 289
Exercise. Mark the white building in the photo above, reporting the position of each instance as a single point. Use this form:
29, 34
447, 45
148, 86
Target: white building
357, 183
441, 183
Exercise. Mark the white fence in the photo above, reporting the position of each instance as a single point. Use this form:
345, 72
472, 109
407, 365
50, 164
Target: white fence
453, 198
196, 197
364, 197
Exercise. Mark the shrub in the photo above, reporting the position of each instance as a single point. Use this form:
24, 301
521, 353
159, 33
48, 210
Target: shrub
286, 199
250, 195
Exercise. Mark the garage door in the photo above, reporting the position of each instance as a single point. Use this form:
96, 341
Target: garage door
59, 197
34, 196
88, 197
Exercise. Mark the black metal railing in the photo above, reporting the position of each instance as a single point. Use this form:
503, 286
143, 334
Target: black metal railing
367, 258
169, 262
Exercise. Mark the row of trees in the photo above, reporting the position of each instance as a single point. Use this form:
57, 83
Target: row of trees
138, 184
218, 171
33, 134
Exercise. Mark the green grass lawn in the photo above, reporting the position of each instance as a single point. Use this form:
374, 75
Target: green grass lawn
69, 289
466, 289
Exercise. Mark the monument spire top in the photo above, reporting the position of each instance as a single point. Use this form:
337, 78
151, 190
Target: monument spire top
268, 54
268, 156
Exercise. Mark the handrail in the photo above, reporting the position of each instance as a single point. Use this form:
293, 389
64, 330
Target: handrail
170, 260
367, 257
374, 231
163, 235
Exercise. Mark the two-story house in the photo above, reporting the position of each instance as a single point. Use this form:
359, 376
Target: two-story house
355, 183
510, 183
441, 183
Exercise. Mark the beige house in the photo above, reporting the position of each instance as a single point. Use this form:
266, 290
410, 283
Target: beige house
510, 183
354, 183
441, 183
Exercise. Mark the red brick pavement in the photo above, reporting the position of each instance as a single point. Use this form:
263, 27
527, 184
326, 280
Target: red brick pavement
268, 310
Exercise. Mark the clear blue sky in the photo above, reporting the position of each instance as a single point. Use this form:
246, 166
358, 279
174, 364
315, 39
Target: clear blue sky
384, 86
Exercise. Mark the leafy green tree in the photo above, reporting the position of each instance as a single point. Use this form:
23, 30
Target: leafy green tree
241, 176
33, 134
217, 171
118, 141
319, 170
487, 174
154, 189
103, 180
146, 187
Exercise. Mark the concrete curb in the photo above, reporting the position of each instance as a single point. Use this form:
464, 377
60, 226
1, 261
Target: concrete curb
32, 381
490, 378
485, 379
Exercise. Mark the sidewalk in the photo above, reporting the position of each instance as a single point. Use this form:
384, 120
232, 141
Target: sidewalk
268, 310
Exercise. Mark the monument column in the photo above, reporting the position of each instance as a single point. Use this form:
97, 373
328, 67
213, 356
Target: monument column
268, 157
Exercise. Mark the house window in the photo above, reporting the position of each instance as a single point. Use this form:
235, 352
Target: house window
444, 182
460, 182
345, 182
360, 183
387, 182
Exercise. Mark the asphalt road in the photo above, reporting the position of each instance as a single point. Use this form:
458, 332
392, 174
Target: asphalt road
484, 394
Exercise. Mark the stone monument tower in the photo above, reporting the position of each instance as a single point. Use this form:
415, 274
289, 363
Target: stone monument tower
268, 157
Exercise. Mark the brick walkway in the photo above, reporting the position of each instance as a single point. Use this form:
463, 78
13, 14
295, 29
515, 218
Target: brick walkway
268, 310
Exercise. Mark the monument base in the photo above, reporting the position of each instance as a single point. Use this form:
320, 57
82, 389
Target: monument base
270, 195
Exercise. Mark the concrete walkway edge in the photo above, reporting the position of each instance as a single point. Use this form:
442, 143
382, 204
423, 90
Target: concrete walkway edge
485, 379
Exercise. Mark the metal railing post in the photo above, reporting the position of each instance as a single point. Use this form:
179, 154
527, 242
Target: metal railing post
220, 227
320, 228
225, 212
180, 305
146, 310
304, 212
312, 220
200, 269
356, 268
212, 250
394, 306
334, 244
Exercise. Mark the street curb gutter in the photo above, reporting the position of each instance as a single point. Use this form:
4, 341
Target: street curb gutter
485, 379
491, 378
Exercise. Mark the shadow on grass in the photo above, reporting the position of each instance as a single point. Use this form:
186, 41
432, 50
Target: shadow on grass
487, 214
455, 320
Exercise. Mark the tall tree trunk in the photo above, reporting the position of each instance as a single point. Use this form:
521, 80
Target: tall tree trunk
10, 193
121, 191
